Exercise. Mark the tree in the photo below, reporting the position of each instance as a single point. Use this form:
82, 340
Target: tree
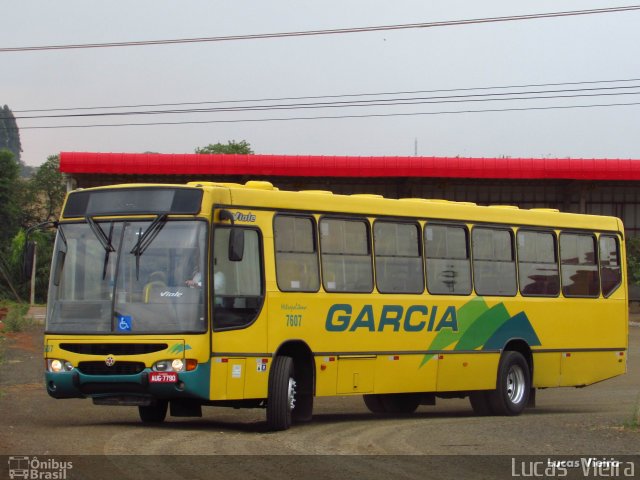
232, 147
47, 190
9, 133
10, 207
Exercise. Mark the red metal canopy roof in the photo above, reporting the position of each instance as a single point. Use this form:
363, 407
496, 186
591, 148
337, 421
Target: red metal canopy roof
342, 166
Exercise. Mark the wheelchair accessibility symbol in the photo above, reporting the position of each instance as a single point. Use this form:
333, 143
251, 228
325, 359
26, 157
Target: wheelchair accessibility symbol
124, 323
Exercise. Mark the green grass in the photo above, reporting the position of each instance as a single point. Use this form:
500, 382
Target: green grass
634, 422
16, 320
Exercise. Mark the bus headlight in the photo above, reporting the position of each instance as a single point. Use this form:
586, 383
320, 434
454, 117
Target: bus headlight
175, 365
55, 365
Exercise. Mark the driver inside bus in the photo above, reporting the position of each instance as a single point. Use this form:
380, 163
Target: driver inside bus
196, 280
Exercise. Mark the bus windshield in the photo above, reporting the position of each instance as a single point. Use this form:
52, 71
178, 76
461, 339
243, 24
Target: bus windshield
128, 277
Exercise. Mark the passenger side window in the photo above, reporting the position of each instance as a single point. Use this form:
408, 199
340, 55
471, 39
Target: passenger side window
579, 265
346, 255
538, 264
610, 270
494, 266
296, 254
398, 257
448, 263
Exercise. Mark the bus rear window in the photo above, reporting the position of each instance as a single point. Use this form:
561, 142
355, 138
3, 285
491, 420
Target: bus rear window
610, 271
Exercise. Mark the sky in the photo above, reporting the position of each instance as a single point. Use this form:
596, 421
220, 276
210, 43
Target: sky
574, 49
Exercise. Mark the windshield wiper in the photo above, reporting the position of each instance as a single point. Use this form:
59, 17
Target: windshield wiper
145, 239
100, 235
104, 241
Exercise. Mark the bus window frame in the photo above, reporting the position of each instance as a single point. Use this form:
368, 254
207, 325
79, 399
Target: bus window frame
617, 239
501, 227
211, 288
469, 258
594, 237
420, 245
357, 218
149, 218
556, 244
316, 245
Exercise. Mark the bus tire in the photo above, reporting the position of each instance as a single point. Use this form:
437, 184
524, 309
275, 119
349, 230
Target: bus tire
155, 413
374, 403
281, 394
400, 403
303, 410
480, 403
513, 385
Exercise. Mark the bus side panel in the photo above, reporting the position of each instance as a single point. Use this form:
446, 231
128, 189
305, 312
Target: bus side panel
219, 374
546, 369
585, 368
355, 374
398, 373
234, 375
238, 378
467, 371
326, 375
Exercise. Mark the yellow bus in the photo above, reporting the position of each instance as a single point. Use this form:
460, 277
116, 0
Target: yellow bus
171, 297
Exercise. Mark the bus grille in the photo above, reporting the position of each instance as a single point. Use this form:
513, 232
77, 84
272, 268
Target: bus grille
101, 368
113, 348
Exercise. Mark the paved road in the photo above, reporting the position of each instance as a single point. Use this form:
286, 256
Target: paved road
568, 421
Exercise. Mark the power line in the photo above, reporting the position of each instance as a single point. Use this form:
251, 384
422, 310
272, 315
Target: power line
335, 31
334, 117
317, 97
489, 97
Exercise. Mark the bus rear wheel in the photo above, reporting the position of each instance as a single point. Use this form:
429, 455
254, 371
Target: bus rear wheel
393, 403
513, 385
155, 413
374, 403
281, 394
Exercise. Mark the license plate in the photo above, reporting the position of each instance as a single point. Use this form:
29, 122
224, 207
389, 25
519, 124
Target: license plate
163, 377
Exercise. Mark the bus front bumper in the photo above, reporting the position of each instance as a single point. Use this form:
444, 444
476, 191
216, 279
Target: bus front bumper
74, 384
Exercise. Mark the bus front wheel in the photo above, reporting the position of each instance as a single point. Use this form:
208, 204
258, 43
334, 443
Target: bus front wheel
153, 413
281, 394
513, 385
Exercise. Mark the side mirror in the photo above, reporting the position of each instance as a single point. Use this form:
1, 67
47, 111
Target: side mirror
27, 259
236, 245
226, 215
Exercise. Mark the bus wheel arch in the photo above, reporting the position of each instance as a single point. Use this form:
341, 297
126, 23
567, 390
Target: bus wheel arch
521, 346
302, 386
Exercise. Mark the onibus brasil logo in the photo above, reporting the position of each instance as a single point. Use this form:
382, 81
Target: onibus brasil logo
36, 469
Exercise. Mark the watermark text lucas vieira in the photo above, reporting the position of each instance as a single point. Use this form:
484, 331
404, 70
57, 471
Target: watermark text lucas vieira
589, 466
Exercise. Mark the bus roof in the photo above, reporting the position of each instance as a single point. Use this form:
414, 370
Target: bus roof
262, 195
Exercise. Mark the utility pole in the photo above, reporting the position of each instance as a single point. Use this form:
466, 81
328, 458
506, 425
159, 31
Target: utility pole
33, 275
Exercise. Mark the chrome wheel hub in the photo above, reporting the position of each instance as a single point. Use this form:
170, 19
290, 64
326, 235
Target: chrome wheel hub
291, 394
515, 384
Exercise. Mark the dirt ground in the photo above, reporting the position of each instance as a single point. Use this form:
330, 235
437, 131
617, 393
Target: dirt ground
596, 421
